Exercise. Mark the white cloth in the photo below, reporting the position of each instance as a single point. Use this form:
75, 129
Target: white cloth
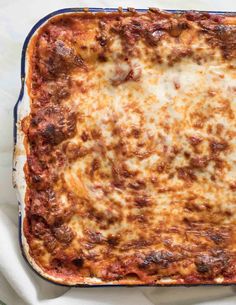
19, 285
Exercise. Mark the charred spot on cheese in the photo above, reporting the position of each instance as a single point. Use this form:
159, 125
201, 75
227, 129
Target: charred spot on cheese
130, 143
78, 262
220, 35
63, 233
161, 259
85, 136
194, 141
161, 167
38, 226
95, 237
52, 125
186, 173
142, 201
57, 58
178, 27
113, 240
199, 162
218, 238
232, 186
202, 265
178, 54
74, 151
217, 147
102, 40
137, 184
50, 242
131, 32
153, 36
212, 264
94, 166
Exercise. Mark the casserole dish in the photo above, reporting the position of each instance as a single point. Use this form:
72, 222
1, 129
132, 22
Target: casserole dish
124, 148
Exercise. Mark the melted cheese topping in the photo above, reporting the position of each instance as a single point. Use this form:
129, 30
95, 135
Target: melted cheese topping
131, 167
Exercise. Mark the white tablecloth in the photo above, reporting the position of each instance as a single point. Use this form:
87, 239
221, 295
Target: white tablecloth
18, 283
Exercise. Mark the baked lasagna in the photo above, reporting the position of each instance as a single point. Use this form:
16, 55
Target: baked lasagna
131, 148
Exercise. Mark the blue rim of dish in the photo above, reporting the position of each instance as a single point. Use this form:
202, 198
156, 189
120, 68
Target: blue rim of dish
15, 111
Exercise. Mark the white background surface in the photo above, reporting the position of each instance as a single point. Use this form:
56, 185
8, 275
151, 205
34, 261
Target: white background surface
18, 284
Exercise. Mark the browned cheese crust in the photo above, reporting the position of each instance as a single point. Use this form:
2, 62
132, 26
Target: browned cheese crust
131, 150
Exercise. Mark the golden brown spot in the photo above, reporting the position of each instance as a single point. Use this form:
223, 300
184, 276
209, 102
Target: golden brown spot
217, 147
199, 162
194, 141
186, 173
